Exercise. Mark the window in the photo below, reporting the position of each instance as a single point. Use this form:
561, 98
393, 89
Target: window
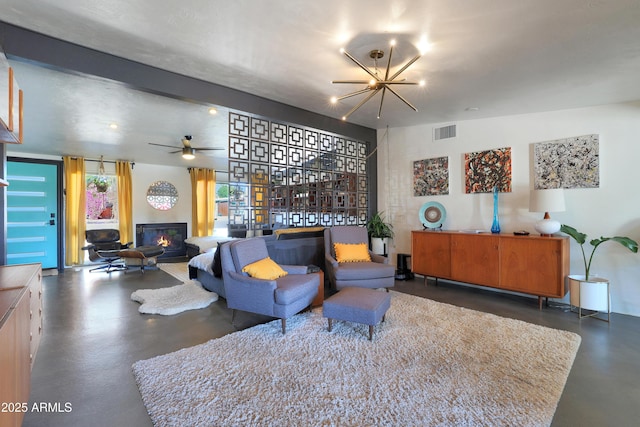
222, 209
102, 199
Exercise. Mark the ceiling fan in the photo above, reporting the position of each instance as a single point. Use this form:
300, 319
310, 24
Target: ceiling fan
188, 152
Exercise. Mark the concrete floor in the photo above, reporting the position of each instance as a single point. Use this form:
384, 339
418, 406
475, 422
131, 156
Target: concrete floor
93, 333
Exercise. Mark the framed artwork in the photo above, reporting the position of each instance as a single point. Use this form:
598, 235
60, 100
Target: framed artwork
431, 177
484, 170
567, 163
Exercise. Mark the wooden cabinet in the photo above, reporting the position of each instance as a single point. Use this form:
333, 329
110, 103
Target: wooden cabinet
20, 331
433, 254
474, 258
35, 316
11, 105
529, 264
534, 265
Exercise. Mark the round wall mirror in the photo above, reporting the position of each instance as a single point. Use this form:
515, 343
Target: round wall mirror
162, 195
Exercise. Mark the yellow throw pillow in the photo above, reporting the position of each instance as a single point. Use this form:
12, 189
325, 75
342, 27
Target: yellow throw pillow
265, 269
351, 252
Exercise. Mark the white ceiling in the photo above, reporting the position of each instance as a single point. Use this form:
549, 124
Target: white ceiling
502, 57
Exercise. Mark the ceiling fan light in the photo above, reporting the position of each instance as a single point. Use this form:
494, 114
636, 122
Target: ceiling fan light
188, 153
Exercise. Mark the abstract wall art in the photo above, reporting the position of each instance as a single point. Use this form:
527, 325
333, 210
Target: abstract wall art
567, 163
484, 170
431, 177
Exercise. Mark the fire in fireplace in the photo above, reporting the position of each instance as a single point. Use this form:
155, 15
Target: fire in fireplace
168, 235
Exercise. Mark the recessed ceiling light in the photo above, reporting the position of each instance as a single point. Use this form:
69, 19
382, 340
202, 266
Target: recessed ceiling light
113, 126
213, 111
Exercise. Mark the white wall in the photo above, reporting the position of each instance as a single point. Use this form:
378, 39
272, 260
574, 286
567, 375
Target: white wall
143, 175
612, 209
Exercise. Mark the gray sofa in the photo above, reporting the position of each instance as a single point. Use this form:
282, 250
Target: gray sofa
303, 248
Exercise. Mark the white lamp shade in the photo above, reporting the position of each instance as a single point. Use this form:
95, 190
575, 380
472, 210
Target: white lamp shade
549, 200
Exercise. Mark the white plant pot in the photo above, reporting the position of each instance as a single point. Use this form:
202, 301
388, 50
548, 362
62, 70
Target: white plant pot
590, 295
379, 245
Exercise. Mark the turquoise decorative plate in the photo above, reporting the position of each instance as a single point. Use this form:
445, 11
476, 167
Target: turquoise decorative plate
432, 215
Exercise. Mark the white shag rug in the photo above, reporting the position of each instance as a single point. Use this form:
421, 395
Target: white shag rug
429, 364
176, 299
179, 270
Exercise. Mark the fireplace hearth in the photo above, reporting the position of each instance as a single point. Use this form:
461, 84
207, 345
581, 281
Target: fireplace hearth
169, 235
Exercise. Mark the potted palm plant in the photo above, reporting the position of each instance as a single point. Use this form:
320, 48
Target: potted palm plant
379, 231
587, 291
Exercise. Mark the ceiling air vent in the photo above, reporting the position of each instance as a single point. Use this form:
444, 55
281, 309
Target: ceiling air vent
444, 132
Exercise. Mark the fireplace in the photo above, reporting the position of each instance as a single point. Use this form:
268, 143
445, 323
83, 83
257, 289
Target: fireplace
169, 235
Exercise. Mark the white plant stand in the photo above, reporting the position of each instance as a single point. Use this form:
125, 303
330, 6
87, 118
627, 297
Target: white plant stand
592, 295
379, 245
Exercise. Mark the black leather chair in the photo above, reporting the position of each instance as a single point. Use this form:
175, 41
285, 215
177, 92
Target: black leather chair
104, 247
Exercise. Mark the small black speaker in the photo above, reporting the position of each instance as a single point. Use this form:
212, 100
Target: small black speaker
403, 272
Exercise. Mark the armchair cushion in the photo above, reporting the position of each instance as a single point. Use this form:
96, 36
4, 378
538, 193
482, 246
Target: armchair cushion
351, 252
294, 287
265, 269
363, 271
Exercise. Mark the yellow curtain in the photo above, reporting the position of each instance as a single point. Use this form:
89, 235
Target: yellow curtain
75, 215
125, 201
203, 201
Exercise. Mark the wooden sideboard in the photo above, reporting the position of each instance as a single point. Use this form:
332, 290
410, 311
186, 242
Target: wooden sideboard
20, 332
529, 264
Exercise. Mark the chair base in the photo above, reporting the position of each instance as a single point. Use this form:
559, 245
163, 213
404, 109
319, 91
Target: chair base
109, 267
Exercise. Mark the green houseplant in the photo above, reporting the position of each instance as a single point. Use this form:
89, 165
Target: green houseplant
378, 230
581, 239
592, 293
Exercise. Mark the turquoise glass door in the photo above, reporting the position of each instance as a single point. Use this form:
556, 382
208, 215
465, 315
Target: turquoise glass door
32, 214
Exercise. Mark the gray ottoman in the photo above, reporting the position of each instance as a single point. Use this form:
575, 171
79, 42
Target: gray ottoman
359, 305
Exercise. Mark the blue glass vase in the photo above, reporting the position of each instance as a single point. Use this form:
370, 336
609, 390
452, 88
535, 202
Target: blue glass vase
495, 226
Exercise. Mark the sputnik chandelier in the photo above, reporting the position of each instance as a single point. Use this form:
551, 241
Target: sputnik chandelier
377, 83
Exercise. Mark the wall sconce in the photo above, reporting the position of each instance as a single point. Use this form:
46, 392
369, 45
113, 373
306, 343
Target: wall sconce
549, 200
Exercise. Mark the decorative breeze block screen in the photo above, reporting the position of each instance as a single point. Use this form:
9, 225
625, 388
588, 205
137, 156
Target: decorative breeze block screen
292, 175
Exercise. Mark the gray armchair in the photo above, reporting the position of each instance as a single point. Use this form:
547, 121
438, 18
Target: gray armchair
281, 298
376, 273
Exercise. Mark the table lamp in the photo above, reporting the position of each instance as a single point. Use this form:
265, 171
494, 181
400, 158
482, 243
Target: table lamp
549, 200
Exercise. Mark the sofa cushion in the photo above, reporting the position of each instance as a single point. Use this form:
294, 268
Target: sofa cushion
351, 252
265, 269
299, 232
216, 266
